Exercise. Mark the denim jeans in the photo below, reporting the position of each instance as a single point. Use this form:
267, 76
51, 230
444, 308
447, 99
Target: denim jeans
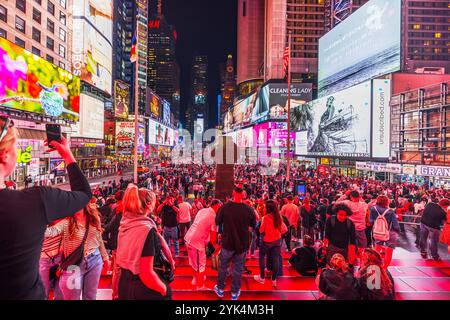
238, 267
45, 264
172, 233
425, 232
272, 249
83, 279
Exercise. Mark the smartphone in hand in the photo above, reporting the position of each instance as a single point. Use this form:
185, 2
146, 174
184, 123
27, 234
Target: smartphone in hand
53, 133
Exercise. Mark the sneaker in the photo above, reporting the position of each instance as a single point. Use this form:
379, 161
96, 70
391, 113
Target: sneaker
235, 296
218, 291
259, 279
437, 258
194, 281
274, 283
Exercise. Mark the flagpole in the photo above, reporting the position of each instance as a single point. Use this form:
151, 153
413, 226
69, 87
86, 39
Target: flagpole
288, 156
136, 104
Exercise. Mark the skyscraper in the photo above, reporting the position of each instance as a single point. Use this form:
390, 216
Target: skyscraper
163, 70
228, 85
338, 10
198, 103
125, 12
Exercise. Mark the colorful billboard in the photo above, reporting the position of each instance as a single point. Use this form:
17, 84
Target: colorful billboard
92, 42
272, 100
362, 47
166, 112
381, 115
32, 84
153, 103
92, 116
338, 124
159, 134
121, 99
125, 136
242, 110
141, 138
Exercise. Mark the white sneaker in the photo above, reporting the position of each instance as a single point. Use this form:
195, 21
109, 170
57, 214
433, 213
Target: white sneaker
259, 279
274, 283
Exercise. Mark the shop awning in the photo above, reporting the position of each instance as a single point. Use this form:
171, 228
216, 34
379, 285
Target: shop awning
31, 134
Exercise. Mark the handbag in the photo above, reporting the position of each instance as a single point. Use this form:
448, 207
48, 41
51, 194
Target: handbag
161, 264
75, 258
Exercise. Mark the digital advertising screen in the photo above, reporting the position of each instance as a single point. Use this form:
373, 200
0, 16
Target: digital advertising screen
200, 98
92, 117
160, 134
141, 139
121, 99
338, 124
362, 47
381, 115
277, 135
228, 121
166, 112
273, 97
242, 110
153, 103
32, 84
125, 135
57, 167
244, 138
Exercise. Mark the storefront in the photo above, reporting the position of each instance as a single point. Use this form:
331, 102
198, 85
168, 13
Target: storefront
344, 167
90, 156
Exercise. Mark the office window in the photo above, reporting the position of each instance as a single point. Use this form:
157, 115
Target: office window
62, 51
37, 15
50, 26
62, 17
50, 43
62, 65
36, 51
20, 42
62, 34
2, 33
38, 1
244, 8
21, 5
3, 13
62, 3
51, 8
49, 58
36, 35
20, 24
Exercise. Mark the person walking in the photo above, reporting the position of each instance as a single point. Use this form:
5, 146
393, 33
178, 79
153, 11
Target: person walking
184, 217
22, 235
235, 218
292, 213
434, 215
169, 223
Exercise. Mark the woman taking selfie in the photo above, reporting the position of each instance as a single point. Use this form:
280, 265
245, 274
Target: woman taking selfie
140, 250
27, 213
82, 236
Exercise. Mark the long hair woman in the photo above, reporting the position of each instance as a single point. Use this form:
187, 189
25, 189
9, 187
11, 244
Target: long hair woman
82, 229
272, 227
375, 281
25, 214
139, 246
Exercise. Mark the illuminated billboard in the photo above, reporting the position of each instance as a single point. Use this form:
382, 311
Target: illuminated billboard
338, 124
160, 134
153, 103
92, 116
166, 112
32, 84
92, 42
273, 97
362, 47
200, 98
121, 99
125, 136
141, 139
242, 110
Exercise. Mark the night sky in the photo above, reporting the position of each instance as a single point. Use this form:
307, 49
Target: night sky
206, 27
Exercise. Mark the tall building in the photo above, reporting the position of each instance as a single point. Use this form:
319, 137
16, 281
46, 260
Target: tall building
125, 13
163, 72
338, 10
41, 27
305, 20
198, 103
426, 36
228, 85
250, 40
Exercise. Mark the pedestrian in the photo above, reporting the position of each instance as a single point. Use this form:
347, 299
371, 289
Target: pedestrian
184, 217
169, 223
434, 215
308, 218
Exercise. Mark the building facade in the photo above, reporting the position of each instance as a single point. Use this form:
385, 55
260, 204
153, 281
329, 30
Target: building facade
228, 86
338, 10
198, 102
41, 27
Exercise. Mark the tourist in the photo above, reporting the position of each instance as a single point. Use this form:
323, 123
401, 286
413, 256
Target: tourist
184, 217
434, 215
308, 218
304, 259
292, 213
169, 223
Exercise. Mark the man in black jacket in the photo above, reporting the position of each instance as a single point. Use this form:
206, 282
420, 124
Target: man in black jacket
432, 219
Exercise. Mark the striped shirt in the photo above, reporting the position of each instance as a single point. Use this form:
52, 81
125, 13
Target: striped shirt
51, 246
94, 239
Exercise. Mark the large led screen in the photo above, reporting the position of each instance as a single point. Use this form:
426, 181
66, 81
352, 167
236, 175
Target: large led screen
154, 103
242, 110
92, 116
338, 124
125, 135
166, 112
273, 97
32, 84
159, 134
362, 47
92, 42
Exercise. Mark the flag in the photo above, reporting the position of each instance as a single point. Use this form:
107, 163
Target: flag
286, 57
133, 53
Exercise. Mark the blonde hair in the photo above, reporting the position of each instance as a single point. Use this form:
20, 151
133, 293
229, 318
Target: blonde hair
138, 201
10, 138
338, 262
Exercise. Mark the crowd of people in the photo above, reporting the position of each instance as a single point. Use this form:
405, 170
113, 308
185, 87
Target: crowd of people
342, 230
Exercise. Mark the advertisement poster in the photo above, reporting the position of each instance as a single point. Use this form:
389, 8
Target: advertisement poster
92, 116
273, 97
57, 167
362, 47
33, 167
125, 135
301, 143
32, 84
141, 139
381, 116
245, 138
153, 103
338, 124
121, 99
92, 42
228, 121
242, 111
166, 112
160, 134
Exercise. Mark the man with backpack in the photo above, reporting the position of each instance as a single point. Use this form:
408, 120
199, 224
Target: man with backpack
340, 235
385, 228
